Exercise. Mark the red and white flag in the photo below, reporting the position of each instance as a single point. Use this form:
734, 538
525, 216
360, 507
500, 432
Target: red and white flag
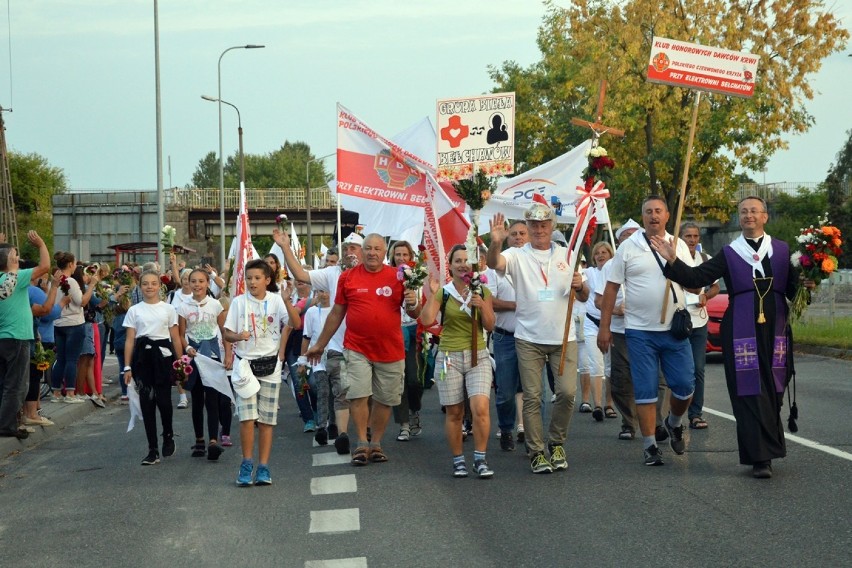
444, 224
244, 250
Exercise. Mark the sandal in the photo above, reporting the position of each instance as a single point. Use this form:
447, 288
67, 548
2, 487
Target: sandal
377, 455
697, 423
610, 412
361, 456
585, 408
404, 434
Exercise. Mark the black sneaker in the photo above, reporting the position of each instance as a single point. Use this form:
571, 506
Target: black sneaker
321, 437
214, 451
661, 434
521, 437
168, 446
507, 441
653, 456
540, 464
341, 444
675, 437
332, 431
152, 458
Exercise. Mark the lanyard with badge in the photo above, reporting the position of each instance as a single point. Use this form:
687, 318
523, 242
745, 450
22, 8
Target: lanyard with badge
544, 294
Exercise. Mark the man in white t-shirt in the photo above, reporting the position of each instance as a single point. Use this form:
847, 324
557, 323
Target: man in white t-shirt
696, 300
543, 277
325, 279
506, 376
650, 344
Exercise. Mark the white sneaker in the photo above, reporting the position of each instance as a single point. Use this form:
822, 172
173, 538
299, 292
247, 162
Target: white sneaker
73, 400
57, 399
37, 421
183, 403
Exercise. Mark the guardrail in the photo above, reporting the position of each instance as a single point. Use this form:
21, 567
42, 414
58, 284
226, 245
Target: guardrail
270, 199
767, 191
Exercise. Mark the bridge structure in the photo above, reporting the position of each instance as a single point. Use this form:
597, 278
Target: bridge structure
89, 223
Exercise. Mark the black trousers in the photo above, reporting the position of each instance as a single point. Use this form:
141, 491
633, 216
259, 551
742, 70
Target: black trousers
205, 398
152, 399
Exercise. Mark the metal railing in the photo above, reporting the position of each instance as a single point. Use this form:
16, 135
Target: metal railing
269, 199
768, 191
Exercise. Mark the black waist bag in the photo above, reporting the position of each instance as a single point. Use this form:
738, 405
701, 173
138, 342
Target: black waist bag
264, 366
681, 323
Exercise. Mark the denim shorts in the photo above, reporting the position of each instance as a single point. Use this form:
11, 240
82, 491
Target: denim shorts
651, 351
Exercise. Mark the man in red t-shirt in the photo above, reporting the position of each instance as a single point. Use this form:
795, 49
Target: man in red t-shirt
368, 297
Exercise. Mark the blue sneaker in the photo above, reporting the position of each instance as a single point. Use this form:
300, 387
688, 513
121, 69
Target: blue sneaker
244, 478
263, 477
310, 426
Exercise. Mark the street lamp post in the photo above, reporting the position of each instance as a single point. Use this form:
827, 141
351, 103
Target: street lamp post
310, 250
221, 157
239, 132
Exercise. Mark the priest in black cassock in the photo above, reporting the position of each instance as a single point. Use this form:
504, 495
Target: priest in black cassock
756, 339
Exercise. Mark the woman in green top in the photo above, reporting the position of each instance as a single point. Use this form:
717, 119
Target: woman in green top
456, 303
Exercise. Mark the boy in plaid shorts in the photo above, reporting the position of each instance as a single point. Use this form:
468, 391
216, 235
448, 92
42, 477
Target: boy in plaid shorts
254, 326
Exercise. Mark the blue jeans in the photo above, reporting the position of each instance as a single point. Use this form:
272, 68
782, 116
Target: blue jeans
306, 403
507, 378
119, 334
698, 339
69, 345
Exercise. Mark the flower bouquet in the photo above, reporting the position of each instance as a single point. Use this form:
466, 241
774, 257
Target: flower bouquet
123, 276
182, 369
64, 286
414, 273
42, 358
167, 238
599, 163
816, 257
474, 281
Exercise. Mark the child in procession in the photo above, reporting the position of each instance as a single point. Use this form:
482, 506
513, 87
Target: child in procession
151, 346
322, 379
253, 324
199, 320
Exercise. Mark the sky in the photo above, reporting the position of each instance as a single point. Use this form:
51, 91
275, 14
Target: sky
82, 78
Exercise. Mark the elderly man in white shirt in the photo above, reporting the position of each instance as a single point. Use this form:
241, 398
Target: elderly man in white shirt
543, 276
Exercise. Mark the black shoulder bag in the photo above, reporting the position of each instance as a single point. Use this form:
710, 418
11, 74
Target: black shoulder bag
681, 327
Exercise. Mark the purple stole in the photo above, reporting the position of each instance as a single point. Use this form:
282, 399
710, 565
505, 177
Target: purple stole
743, 298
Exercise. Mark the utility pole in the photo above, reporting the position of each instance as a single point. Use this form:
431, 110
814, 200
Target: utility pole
8, 221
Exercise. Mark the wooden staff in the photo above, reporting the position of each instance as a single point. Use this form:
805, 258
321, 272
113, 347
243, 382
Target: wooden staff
683, 181
568, 317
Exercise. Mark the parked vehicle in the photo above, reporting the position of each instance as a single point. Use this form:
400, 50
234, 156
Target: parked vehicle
716, 307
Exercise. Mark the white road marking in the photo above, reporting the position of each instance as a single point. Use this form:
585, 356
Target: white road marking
334, 484
330, 458
793, 438
335, 521
360, 562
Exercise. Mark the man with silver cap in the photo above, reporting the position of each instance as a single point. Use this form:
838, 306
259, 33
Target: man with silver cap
325, 280
543, 276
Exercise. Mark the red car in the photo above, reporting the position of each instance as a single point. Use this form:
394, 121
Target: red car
716, 307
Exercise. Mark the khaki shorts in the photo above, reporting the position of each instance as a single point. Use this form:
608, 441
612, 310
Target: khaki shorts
360, 378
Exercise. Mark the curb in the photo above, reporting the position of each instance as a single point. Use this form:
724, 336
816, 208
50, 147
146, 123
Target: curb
824, 351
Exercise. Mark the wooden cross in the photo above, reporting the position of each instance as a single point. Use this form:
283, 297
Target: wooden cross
598, 129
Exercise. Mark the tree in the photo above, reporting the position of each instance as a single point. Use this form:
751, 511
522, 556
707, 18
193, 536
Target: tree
788, 214
838, 185
603, 39
284, 167
34, 183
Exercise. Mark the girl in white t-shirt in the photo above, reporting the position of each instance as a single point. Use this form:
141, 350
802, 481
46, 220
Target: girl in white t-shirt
176, 298
253, 324
199, 320
151, 347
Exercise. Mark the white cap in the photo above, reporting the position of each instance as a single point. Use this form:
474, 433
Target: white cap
540, 212
354, 239
245, 383
630, 224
